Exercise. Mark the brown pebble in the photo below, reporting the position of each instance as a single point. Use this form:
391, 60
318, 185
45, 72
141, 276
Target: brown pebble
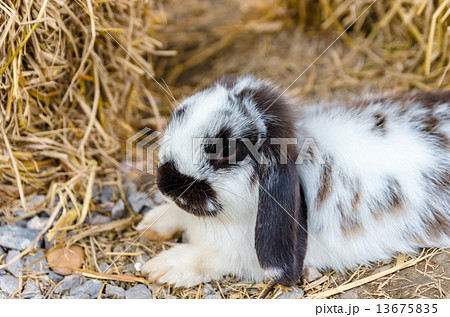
60, 257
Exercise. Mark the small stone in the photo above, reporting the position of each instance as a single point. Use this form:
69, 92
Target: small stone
60, 257
114, 291
108, 206
31, 290
55, 277
213, 296
37, 297
91, 289
37, 199
2, 251
38, 267
131, 188
96, 192
292, 293
158, 198
171, 297
9, 284
98, 219
37, 223
118, 248
104, 267
142, 258
17, 238
16, 267
108, 193
138, 292
208, 289
138, 201
155, 289
2, 272
350, 294
129, 268
67, 283
138, 266
118, 211
72, 297
311, 274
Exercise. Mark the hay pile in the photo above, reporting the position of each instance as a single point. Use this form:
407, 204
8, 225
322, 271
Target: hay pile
70, 94
405, 39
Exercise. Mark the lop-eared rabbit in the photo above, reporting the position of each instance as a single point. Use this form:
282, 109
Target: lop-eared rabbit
262, 185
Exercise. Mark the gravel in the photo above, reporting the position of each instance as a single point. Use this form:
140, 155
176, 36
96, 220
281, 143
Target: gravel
31, 290
16, 267
292, 293
311, 274
104, 267
98, 219
55, 277
9, 284
108, 193
114, 291
158, 198
17, 238
131, 188
208, 289
140, 202
37, 199
38, 267
118, 210
142, 259
90, 289
138, 292
213, 296
37, 223
68, 283
350, 294
129, 268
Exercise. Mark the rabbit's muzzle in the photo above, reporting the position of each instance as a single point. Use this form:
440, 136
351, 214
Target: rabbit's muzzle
195, 196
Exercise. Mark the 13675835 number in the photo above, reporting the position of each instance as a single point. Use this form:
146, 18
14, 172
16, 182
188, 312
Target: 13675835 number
407, 308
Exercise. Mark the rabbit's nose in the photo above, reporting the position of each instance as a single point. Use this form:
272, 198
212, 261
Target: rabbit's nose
171, 182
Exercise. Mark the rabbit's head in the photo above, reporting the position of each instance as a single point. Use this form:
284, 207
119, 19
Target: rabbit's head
233, 141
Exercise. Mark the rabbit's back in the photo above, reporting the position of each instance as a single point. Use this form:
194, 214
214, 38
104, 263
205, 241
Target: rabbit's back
379, 181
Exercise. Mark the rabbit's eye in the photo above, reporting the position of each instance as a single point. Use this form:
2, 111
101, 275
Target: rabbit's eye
227, 152
231, 153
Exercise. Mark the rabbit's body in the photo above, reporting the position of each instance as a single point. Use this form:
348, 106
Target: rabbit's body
375, 181
382, 182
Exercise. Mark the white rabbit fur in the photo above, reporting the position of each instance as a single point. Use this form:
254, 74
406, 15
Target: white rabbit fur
376, 184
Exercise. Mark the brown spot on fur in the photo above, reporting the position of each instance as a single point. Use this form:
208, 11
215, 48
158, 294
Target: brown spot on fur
429, 99
438, 226
380, 121
325, 184
356, 200
311, 155
395, 200
351, 227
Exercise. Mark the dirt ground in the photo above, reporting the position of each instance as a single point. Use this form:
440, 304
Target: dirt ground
202, 33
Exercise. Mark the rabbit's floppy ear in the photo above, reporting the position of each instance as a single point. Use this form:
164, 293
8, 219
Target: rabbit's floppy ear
280, 233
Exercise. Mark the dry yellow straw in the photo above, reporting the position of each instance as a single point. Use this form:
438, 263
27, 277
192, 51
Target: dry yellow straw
343, 288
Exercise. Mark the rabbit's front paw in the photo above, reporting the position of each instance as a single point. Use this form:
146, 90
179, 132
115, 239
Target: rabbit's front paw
160, 223
180, 266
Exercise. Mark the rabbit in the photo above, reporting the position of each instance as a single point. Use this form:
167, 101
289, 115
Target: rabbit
331, 185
